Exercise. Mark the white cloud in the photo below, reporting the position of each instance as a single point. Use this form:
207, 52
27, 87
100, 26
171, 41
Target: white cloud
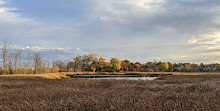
192, 40
60, 49
78, 50
2, 2
27, 47
16, 47
5, 10
146, 4
36, 48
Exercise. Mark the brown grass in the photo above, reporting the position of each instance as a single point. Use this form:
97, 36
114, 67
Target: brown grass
184, 93
45, 76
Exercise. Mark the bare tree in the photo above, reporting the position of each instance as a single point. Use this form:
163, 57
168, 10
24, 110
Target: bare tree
17, 55
27, 63
10, 64
60, 64
37, 63
5, 48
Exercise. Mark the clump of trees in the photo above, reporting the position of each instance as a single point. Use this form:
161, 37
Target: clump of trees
15, 62
94, 63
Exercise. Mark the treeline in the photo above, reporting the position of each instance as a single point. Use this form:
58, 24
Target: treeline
14, 61
94, 63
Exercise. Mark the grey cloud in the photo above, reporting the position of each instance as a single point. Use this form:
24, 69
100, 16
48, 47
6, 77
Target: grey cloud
123, 29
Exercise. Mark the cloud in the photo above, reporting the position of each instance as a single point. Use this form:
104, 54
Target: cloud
172, 30
17, 28
4, 10
2, 2
78, 50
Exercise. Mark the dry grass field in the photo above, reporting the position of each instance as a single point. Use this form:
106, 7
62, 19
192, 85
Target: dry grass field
180, 93
45, 76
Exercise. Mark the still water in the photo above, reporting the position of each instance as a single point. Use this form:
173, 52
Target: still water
128, 78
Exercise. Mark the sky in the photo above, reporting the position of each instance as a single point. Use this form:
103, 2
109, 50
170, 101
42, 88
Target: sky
138, 30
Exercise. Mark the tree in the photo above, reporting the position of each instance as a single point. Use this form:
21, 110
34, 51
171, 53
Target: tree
17, 55
55, 69
0, 70
102, 62
91, 62
137, 66
71, 66
27, 65
164, 66
61, 65
171, 67
37, 63
125, 65
78, 63
108, 64
5, 48
126, 68
202, 67
46, 69
87, 60
115, 64
10, 64
93, 66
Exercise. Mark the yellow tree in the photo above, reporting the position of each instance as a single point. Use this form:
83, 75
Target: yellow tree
92, 58
115, 64
164, 66
46, 69
102, 62
55, 69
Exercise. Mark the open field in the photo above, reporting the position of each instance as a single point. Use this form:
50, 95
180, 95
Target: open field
201, 93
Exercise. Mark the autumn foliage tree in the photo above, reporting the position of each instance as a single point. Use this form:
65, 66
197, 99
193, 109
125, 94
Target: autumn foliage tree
115, 64
125, 65
137, 66
102, 62
164, 66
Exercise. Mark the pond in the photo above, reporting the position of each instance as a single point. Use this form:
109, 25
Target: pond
127, 78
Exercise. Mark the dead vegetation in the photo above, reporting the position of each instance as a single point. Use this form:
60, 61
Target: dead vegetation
201, 93
45, 76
